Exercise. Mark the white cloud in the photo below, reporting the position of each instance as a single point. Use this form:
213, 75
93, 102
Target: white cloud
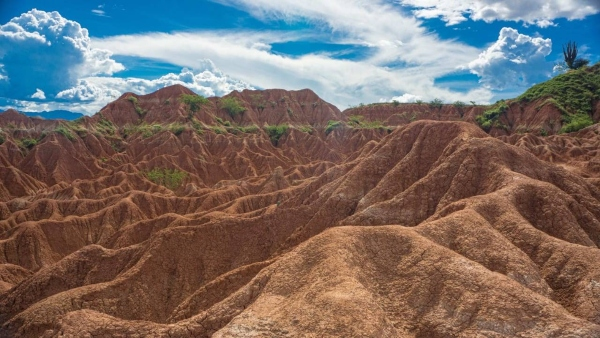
39, 94
537, 12
513, 60
99, 12
399, 57
93, 93
341, 82
406, 98
44, 49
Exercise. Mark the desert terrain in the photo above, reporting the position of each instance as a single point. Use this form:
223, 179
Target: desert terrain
272, 213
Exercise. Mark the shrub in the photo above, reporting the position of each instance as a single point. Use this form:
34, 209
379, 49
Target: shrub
258, 102
65, 132
28, 143
576, 90
222, 122
395, 103
232, 106
145, 129
419, 102
251, 129
106, 127
176, 128
197, 126
306, 129
170, 178
576, 122
355, 120
436, 103
358, 121
193, 101
77, 127
2, 138
459, 105
275, 132
218, 130
331, 125
490, 116
138, 109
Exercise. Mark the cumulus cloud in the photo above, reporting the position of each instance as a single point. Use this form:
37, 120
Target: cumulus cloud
340, 81
537, 12
92, 93
513, 60
39, 94
44, 49
397, 60
406, 98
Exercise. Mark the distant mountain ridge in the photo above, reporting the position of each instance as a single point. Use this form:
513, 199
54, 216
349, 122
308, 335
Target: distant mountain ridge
55, 115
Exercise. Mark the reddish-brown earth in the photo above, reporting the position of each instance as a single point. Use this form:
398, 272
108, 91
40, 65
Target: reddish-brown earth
422, 229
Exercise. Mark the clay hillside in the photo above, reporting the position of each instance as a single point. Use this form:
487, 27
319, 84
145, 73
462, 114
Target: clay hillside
273, 214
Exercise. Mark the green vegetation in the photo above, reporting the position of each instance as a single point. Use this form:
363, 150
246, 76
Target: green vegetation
146, 130
138, 109
193, 101
232, 106
576, 90
170, 178
275, 132
436, 103
2, 137
419, 102
258, 102
576, 122
197, 126
358, 121
460, 106
306, 129
331, 125
251, 129
176, 128
572, 93
61, 129
570, 54
218, 130
222, 122
105, 127
395, 103
490, 117
77, 126
28, 143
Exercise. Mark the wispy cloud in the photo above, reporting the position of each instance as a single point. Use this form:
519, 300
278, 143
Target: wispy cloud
400, 58
99, 11
341, 81
531, 12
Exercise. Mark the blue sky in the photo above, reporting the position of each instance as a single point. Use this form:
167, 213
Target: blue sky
80, 55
